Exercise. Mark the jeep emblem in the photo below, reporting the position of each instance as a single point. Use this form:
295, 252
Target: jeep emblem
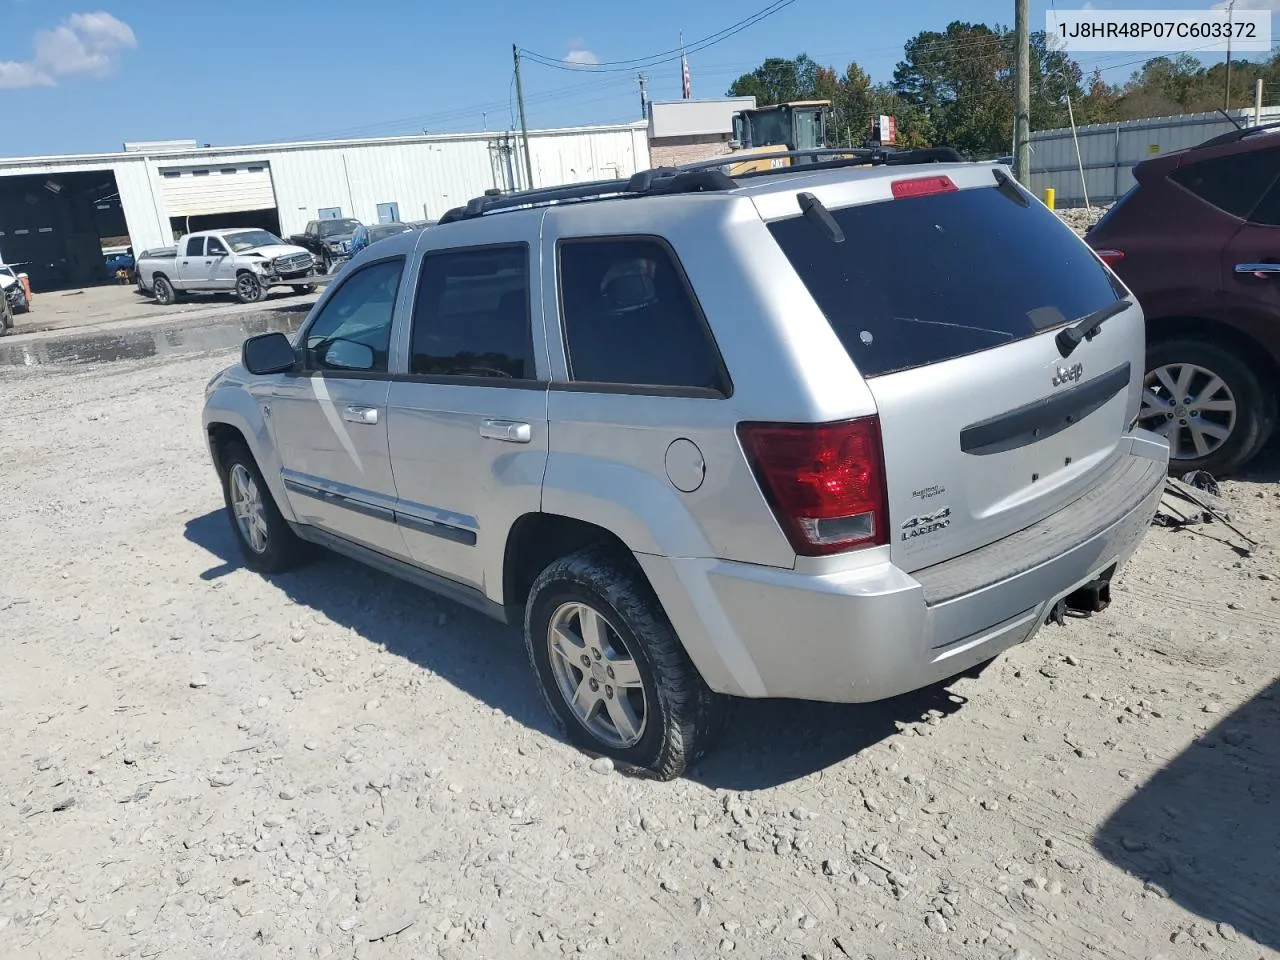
1068, 374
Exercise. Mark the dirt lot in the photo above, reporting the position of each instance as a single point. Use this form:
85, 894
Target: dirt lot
200, 763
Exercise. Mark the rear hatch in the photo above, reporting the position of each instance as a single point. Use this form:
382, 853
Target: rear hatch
948, 291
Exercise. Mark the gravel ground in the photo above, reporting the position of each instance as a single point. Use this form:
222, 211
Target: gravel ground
201, 763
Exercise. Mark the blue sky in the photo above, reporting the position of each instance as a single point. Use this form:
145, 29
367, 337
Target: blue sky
85, 75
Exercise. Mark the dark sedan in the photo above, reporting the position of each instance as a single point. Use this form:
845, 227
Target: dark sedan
364, 236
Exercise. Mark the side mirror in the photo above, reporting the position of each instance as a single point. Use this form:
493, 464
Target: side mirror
348, 355
268, 353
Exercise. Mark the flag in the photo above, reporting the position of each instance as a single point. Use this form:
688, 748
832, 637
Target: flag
686, 82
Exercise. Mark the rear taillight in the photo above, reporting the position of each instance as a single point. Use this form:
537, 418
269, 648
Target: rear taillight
1110, 257
922, 187
824, 481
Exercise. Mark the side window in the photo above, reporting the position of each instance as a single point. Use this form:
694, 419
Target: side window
1268, 211
353, 329
630, 317
1234, 184
216, 249
195, 246
471, 316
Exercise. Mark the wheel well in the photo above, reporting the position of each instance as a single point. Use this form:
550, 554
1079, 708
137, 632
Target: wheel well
1249, 350
538, 539
221, 436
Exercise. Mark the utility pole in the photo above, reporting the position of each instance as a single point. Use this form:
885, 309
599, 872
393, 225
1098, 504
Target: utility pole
1257, 103
1226, 96
1022, 93
644, 96
524, 129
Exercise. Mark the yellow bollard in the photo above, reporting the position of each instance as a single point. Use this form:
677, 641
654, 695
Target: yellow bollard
1049, 194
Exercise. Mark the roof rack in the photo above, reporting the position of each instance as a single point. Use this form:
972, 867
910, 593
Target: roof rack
1234, 136
703, 176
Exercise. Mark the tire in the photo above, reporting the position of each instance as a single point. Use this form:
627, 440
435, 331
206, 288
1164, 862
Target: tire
326, 262
672, 716
278, 549
1242, 413
6, 316
249, 289
163, 291
304, 288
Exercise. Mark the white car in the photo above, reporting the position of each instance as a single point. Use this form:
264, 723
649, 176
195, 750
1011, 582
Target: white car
14, 291
244, 262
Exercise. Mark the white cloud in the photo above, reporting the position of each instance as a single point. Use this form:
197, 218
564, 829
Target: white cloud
1248, 5
83, 45
582, 58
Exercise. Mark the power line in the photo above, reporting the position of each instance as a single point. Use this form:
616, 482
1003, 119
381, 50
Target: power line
666, 56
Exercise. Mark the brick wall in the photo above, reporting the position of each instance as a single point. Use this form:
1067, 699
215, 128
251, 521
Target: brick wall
673, 151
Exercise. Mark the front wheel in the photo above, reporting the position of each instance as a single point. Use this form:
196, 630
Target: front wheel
1207, 402
266, 541
6, 315
326, 263
249, 289
612, 670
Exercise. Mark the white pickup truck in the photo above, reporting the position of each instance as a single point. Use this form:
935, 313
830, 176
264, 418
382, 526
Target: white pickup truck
246, 263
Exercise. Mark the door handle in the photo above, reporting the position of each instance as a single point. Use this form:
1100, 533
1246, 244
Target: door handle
367, 415
1271, 269
512, 431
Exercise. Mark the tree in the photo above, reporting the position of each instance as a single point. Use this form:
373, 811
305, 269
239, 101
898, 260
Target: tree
778, 80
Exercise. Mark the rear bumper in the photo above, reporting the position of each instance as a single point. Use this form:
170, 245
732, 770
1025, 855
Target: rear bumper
876, 632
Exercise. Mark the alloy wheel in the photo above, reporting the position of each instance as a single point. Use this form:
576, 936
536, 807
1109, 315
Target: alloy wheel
1189, 405
597, 675
247, 506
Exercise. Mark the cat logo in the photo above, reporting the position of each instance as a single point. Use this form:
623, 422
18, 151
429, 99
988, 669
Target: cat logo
1067, 374
930, 523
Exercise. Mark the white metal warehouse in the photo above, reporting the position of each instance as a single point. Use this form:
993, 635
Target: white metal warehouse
57, 212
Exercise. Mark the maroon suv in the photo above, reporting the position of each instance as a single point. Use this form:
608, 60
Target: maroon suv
1197, 240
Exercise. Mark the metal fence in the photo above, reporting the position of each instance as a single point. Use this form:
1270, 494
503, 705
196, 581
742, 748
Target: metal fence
1108, 152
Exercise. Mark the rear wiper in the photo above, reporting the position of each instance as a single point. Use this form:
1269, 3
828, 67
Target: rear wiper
1087, 326
816, 213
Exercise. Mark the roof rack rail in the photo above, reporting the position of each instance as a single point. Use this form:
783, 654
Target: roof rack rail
701, 177
661, 180
831, 157
1234, 136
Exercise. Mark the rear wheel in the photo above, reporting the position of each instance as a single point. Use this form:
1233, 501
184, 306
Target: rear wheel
249, 289
1207, 402
611, 668
163, 291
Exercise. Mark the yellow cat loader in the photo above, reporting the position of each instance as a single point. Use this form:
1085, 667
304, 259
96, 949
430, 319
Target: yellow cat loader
763, 131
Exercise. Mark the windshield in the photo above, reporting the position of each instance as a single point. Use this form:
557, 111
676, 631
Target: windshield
770, 128
250, 239
924, 280
333, 228
385, 230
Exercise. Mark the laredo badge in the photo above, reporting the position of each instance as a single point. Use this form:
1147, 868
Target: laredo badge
929, 523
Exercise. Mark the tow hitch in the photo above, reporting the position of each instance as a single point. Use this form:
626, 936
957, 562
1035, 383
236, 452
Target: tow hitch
1093, 597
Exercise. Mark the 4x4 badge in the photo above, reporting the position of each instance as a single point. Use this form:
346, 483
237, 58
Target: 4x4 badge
929, 523
1068, 374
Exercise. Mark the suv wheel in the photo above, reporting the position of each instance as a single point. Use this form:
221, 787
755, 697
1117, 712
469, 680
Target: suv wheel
265, 539
1210, 405
611, 668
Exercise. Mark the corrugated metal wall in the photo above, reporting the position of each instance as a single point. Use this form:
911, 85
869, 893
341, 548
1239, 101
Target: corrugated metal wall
1109, 151
425, 175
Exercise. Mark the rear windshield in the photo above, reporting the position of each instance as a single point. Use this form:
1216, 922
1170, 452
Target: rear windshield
926, 279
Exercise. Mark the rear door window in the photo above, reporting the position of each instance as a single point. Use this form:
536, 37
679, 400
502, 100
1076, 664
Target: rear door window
1233, 184
926, 279
630, 318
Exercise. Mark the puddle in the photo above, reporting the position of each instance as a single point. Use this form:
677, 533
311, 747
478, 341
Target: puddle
162, 340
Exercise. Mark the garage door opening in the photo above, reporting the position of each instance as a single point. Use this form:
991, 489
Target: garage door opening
268, 220
55, 226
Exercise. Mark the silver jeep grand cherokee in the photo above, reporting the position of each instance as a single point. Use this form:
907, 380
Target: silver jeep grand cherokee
835, 431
